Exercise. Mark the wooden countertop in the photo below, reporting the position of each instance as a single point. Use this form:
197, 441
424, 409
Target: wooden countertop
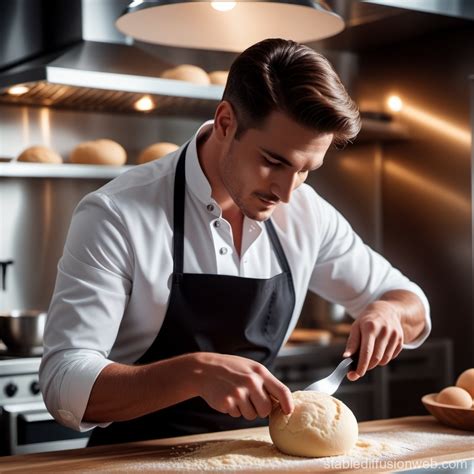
438, 444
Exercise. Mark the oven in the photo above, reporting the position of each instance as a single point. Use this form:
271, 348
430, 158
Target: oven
25, 424
31, 429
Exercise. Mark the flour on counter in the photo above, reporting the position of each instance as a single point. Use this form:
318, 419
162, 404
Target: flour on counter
259, 454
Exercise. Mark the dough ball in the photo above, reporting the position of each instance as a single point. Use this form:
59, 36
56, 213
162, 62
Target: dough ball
99, 152
40, 154
187, 72
466, 381
155, 151
320, 425
454, 396
218, 77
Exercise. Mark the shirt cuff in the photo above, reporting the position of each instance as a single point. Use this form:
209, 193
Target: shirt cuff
75, 390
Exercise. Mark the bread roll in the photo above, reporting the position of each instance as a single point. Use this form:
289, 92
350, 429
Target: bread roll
155, 151
455, 396
99, 152
189, 73
466, 381
40, 154
320, 425
218, 77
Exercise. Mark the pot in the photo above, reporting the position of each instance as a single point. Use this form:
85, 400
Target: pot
22, 330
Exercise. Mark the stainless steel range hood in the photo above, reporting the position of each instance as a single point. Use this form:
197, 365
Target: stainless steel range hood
454, 8
104, 76
45, 47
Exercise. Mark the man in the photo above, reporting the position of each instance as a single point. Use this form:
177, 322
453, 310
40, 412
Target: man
181, 279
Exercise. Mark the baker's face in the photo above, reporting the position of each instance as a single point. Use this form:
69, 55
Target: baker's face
264, 166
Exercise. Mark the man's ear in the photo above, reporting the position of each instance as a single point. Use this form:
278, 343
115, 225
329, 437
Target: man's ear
225, 122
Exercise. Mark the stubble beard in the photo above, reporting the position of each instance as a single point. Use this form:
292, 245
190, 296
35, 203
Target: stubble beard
232, 187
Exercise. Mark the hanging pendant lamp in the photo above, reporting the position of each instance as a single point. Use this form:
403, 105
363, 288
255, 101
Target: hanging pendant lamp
225, 25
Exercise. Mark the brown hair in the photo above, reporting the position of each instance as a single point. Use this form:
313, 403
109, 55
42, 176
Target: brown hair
281, 75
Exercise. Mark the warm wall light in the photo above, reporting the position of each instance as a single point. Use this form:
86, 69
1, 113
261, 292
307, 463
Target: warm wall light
193, 24
441, 126
45, 125
223, 6
18, 90
144, 104
394, 103
25, 127
436, 191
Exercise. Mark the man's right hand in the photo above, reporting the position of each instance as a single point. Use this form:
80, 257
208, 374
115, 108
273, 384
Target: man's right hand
237, 385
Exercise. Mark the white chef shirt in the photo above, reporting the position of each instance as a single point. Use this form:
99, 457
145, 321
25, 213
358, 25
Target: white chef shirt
113, 282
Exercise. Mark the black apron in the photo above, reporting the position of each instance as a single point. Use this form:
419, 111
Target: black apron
247, 317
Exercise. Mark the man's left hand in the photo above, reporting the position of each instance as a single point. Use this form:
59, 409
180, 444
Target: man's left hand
377, 335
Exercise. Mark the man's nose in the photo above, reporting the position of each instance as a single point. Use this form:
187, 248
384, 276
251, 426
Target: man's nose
284, 186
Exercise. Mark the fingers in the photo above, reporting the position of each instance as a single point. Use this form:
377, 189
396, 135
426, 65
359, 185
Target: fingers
365, 354
380, 348
247, 409
257, 400
352, 346
261, 402
256, 403
398, 348
239, 405
281, 394
393, 348
233, 409
246, 388
353, 340
377, 347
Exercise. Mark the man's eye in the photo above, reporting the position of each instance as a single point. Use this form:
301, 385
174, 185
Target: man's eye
272, 162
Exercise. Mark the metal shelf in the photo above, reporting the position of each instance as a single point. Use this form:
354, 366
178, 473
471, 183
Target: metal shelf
44, 170
372, 131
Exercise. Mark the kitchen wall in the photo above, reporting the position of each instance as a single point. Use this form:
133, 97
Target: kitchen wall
422, 218
427, 211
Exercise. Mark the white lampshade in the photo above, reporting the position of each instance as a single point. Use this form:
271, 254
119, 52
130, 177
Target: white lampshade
196, 24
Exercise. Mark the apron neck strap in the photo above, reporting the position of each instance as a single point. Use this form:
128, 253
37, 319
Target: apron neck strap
178, 221
178, 213
277, 246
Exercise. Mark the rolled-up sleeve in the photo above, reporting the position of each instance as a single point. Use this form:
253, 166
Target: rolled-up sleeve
92, 289
350, 273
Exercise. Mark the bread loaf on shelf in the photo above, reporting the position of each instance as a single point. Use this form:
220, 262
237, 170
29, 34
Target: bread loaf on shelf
188, 73
99, 152
155, 151
40, 154
218, 77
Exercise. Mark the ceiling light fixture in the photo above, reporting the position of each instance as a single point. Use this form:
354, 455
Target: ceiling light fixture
223, 6
192, 24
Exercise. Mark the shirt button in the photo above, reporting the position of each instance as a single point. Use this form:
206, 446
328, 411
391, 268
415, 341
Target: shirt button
217, 224
223, 251
210, 207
